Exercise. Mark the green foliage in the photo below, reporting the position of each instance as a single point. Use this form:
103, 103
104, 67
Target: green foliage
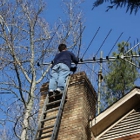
121, 73
132, 5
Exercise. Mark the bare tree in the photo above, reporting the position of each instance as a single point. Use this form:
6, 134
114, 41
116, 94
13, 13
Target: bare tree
26, 39
6, 135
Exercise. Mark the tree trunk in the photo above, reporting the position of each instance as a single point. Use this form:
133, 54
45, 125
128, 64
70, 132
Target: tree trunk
28, 111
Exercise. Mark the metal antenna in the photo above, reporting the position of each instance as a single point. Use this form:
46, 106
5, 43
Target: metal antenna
78, 37
123, 56
80, 40
99, 85
48, 44
131, 63
115, 43
126, 41
103, 41
91, 42
132, 48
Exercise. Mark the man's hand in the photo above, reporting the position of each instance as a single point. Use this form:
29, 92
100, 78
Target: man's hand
73, 69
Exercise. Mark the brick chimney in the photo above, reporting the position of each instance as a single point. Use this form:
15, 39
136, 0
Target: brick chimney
78, 110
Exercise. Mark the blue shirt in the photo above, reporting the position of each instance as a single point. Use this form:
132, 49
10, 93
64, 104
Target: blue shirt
65, 57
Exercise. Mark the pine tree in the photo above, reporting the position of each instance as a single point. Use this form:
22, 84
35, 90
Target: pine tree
121, 74
131, 5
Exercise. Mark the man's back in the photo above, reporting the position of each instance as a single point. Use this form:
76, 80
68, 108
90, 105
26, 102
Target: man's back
65, 57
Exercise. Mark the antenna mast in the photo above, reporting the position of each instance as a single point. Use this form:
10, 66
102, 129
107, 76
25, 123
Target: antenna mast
100, 77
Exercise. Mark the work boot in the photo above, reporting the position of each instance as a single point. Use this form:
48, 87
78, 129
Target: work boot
51, 92
58, 91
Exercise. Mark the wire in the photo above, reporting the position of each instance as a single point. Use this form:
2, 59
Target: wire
91, 69
93, 72
103, 68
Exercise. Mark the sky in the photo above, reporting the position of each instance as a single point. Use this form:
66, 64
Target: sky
116, 20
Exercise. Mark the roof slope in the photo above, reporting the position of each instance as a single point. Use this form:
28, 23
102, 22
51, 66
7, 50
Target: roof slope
115, 112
